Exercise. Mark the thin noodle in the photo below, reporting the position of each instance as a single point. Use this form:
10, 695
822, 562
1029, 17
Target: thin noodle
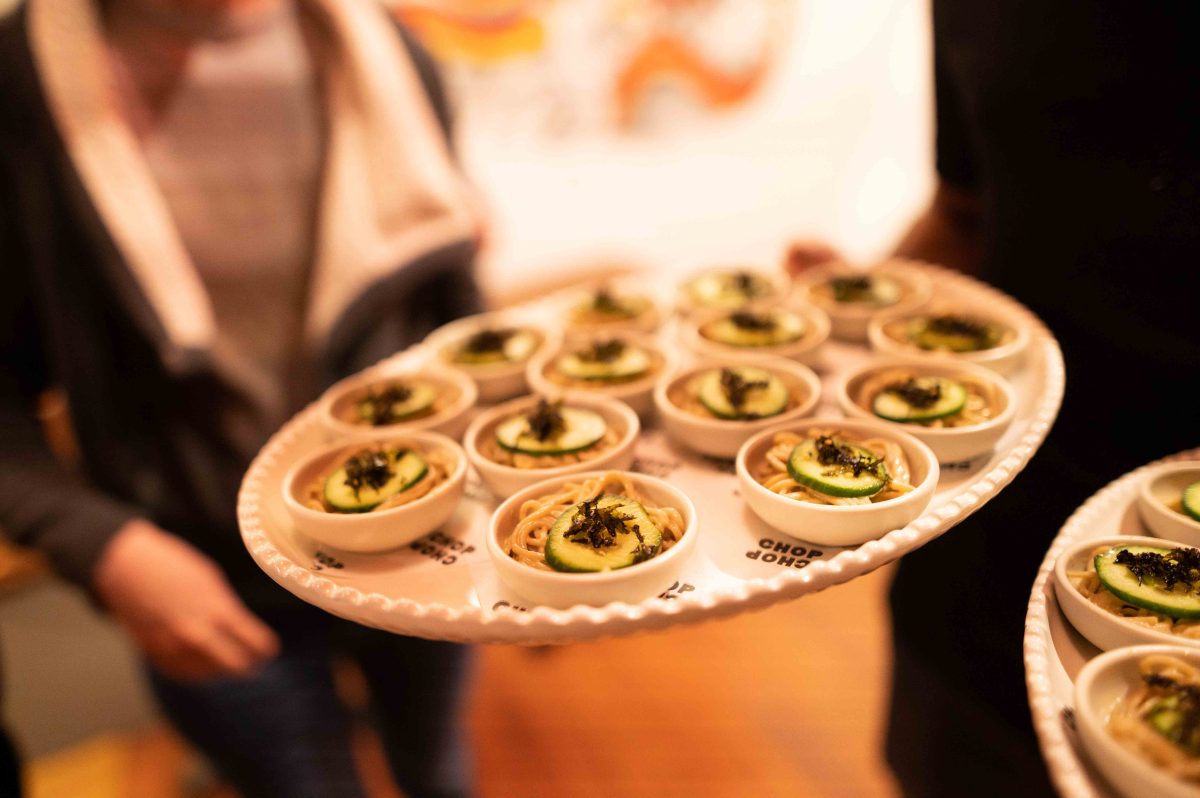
440, 463
773, 473
527, 543
1089, 586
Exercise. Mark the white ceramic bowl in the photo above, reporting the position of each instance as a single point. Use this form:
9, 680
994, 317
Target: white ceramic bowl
1103, 629
1165, 484
1100, 687
806, 350
495, 381
637, 393
1004, 359
631, 585
831, 525
849, 321
717, 437
688, 303
950, 444
503, 480
384, 529
337, 403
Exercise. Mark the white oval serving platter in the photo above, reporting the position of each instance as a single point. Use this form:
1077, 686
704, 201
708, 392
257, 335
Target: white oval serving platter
1055, 652
444, 587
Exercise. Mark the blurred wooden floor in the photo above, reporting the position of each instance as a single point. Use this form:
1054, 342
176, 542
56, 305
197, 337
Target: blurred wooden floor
788, 701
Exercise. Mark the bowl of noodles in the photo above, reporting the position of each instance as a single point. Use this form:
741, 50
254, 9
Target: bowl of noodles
728, 289
952, 332
378, 493
593, 538
789, 331
852, 297
527, 440
623, 366
1169, 501
610, 307
958, 410
1137, 710
1090, 583
714, 406
493, 349
836, 482
375, 401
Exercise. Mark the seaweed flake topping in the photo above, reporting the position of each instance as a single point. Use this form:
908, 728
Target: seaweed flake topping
546, 421
370, 469
744, 320
736, 387
604, 302
954, 324
602, 351
1176, 715
488, 340
745, 284
842, 457
378, 408
917, 393
599, 527
1177, 567
852, 289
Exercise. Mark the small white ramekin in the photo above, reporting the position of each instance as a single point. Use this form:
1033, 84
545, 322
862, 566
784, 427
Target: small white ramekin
718, 437
1102, 628
950, 444
849, 322
450, 421
562, 590
495, 381
503, 480
1164, 484
832, 525
637, 393
385, 529
1004, 359
806, 350
1102, 684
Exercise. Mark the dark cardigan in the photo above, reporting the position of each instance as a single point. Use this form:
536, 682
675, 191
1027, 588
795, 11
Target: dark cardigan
147, 441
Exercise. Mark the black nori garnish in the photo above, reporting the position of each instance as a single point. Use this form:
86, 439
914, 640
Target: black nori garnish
599, 527
602, 351
915, 394
745, 284
1179, 566
546, 421
487, 341
604, 302
371, 468
852, 289
745, 320
377, 407
1176, 715
954, 324
736, 388
840, 457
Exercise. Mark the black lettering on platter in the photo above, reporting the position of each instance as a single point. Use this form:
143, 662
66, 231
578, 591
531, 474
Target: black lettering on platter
655, 466
676, 590
441, 548
321, 561
501, 605
784, 553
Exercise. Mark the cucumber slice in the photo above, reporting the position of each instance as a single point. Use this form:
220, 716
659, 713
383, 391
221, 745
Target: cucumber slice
729, 289
609, 361
489, 346
567, 549
754, 330
1148, 593
954, 333
866, 289
582, 429
1191, 500
765, 396
396, 402
828, 465
371, 477
920, 399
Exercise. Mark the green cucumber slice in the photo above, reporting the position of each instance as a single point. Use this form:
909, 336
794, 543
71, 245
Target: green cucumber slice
395, 473
396, 402
577, 555
629, 363
489, 346
582, 429
756, 330
815, 463
715, 392
866, 289
954, 333
920, 399
729, 289
1118, 579
1191, 500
